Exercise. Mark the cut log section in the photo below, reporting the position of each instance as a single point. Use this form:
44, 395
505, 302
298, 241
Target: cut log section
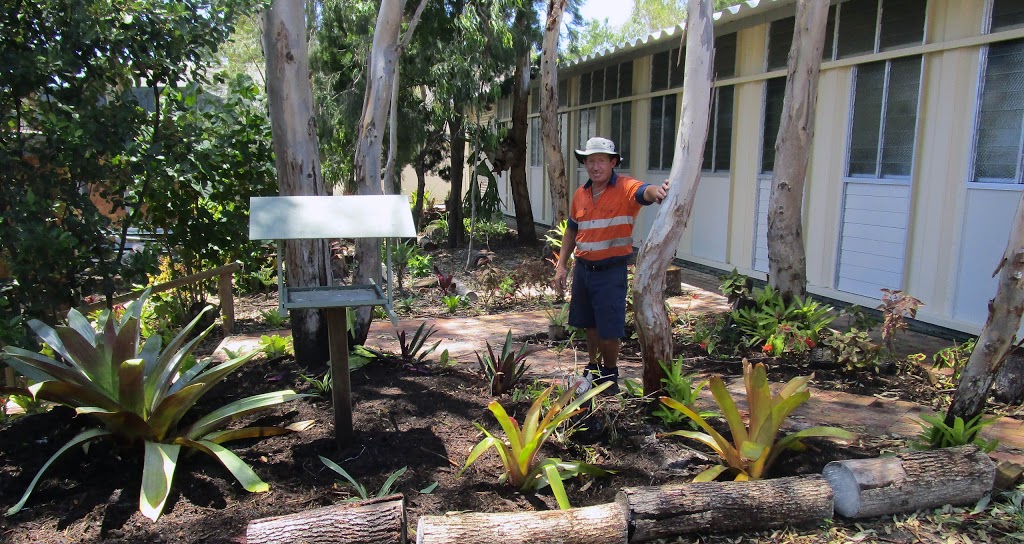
866, 488
725, 507
376, 521
673, 281
601, 524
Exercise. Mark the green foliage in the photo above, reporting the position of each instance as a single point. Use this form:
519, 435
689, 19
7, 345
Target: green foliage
935, 433
705, 331
421, 265
321, 385
401, 254
896, 307
558, 315
141, 394
78, 128
359, 488
754, 447
276, 346
553, 237
453, 302
412, 351
735, 286
520, 450
503, 372
263, 278
485, 230
274, 318
854, 349
680, 388
405, 305
782, 327
954, 357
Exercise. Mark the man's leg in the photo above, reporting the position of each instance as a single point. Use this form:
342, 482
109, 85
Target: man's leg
604, 357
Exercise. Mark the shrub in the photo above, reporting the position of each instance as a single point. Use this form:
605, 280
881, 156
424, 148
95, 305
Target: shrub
754, 447
854, 349
420, 265
503, 372
680, 388
936, 434
896, 307
140, 396
520, 450
782, 327
276, 346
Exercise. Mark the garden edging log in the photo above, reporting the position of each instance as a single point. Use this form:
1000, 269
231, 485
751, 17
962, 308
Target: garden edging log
866, 488
601, 524
373, 521
723, 507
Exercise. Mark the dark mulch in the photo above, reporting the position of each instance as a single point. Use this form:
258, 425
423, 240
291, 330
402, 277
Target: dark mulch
420, 418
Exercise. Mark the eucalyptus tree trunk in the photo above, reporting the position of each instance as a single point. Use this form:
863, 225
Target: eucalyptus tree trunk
297, 160
456, 230
369, 146
652, 323
787, 262
549, 113
999, 334
519, 159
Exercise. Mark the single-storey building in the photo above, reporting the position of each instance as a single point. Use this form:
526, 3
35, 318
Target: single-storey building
916, 168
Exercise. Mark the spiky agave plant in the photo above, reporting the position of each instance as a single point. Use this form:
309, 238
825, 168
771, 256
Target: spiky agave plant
141, 395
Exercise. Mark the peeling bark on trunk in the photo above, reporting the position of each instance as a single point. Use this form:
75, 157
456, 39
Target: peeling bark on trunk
787, 262
297, 160
549, 113
998, 336
655, 256
369, 145
517, 170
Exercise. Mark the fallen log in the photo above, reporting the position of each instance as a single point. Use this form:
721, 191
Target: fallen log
601, 524
725, 507
866, 488
374, 521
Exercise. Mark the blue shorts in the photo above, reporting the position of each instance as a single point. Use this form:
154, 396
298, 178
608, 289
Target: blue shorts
599, 298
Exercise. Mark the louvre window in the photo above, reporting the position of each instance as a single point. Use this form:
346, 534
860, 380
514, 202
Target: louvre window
998, 137
563, 93
857, 22
588, 125
535, 100
718, 147
662, 135
667, 70
885, 118
870, 26
774, 94
1007, 14
725, 56
607, 83
780, 40
622, 117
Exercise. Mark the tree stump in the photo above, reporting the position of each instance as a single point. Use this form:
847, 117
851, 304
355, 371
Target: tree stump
866, 488
374, 521
673, 281
724, 507
1009, 384
601, 524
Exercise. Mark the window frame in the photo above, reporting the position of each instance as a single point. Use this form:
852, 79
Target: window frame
713, 127
877, 176
876, 47
1016, 183
671, 132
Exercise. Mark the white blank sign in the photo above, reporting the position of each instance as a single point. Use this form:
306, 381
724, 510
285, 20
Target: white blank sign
307, 217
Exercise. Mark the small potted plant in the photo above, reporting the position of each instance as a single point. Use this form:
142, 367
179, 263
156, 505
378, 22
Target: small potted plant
558, 318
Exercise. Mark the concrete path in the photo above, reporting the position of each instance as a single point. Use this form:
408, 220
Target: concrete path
871, 416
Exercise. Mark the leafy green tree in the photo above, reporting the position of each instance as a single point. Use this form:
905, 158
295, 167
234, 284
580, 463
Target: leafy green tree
83, 101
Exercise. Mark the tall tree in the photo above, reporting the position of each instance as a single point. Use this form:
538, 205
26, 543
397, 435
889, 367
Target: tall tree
518, 154
652, 323
549, 112
999, 334
298, 160
369, 146
787, 263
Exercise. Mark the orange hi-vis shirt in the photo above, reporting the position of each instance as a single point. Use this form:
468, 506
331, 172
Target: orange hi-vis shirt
604, 229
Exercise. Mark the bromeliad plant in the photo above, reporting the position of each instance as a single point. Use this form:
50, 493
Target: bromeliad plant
520, 450
140, 395
412, 350
753, 447
503, 372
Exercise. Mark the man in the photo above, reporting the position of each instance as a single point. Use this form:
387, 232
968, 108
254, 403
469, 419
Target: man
600, 232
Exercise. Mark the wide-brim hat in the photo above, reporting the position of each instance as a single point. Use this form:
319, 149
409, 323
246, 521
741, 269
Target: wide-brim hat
597, 145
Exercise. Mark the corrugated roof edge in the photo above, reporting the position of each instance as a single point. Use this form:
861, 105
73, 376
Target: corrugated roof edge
730, 14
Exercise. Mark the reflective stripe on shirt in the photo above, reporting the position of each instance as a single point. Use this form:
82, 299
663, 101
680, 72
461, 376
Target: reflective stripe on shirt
610, 222
605, 244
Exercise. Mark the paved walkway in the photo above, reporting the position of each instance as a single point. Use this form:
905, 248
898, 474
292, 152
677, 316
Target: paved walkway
874, 416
